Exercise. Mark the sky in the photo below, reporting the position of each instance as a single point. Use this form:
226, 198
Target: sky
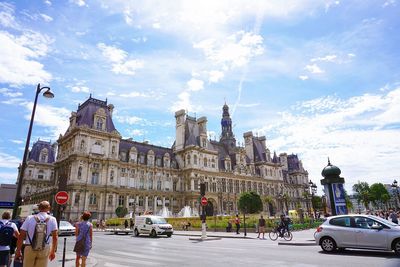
318, 78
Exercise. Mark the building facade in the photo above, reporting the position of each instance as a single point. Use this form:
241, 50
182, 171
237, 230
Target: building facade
101, 171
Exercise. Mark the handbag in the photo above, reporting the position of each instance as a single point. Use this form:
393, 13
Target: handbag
80, 244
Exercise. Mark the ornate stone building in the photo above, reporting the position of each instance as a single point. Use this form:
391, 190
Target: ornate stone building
101, 171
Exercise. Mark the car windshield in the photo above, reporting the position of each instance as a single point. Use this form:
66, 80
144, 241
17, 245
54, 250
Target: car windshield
65, 224
379, 219
159, 220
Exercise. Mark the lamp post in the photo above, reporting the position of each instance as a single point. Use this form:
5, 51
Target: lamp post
47, 94
313, 192
395, 185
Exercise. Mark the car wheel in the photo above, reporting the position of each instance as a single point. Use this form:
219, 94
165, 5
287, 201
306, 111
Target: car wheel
396, 247
169, 235
328, 244
136, 232
153, 233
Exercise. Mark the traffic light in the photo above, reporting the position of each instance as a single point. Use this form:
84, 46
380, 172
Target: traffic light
202, 189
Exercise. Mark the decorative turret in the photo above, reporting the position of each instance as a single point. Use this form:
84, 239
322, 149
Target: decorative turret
227, 136
331, 170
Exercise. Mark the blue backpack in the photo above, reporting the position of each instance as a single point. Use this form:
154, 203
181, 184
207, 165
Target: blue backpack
6, 234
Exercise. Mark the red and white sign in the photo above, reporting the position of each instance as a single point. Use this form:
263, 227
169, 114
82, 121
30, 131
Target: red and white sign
204, 201
61, 197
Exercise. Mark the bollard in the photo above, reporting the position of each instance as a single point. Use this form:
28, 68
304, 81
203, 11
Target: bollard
63, 259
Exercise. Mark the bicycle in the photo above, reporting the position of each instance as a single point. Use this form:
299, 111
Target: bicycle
274, 234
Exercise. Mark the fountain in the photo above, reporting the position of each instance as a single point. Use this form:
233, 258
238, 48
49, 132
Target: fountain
164, 212
187, 211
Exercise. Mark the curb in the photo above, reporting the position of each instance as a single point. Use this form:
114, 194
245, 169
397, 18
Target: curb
301, 244
217, 236
208, 238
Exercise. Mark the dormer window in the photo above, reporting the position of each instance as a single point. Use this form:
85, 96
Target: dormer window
99, 124
41, 174
43, 155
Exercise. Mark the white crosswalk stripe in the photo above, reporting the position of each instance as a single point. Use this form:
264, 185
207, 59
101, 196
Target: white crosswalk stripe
132, 261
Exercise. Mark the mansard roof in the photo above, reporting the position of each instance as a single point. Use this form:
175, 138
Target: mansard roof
86, 111
293, 163
37, 147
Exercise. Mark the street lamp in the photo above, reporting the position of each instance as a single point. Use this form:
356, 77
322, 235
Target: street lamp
47, 94
313, 192
395, 185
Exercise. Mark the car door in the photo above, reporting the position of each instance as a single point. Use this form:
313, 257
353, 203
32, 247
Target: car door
147, 225
342, 231
367, 234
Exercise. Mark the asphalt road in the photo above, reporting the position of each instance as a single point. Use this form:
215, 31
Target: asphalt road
125, 250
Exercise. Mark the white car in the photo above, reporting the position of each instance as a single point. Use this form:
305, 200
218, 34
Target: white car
358, 231
66, 228
152, 226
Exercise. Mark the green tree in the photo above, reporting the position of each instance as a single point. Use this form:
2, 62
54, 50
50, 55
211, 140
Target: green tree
362, 193
269, 202
250, 202
379, 195
349, 204
317, 202
121, 211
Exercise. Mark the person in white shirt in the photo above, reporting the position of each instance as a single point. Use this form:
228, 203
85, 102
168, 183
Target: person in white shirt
5, 250
38, 258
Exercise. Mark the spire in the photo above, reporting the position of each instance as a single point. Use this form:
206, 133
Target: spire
226, 127
329, 162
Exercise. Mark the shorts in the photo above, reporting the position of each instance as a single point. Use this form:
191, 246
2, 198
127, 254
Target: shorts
4, 256
261, 229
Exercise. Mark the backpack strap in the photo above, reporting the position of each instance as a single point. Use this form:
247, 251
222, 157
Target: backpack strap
48, 236
37, 220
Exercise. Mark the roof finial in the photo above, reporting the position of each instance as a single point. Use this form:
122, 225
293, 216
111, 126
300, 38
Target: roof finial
90, 96
329, 162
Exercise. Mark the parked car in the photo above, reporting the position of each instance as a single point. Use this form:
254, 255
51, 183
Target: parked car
66, 228
152, 226
358, 231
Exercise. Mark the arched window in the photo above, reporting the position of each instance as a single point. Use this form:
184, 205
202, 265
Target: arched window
188, 160
205, 162
92, 199
79, 173
195, 159
99, 124
95, 178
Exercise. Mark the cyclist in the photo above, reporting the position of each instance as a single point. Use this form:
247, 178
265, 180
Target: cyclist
283, 225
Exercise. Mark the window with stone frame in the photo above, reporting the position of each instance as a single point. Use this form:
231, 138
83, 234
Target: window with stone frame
141, 183
121, 200
174, 186
99, 124
43, 155
150, 181
242, 186
92, 199
158, 162
205, 162
214, 187
95, 178
77, 198
223, 185
230, 186
110, 200
237, 190
159, 183
213, 163
112, 176
40, 175
188, 160
82, 146
195, 159
142, 158
79, 172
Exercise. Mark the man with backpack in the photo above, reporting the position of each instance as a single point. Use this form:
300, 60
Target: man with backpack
7, 231
36, 232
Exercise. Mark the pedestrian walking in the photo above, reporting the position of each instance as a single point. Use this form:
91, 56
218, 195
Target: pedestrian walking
393, 217
84, 239
36, 232
126, 224
8, 230
261, 227
131, 223
237, 223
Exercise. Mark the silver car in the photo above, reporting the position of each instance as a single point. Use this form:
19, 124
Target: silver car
66, 228
358, 231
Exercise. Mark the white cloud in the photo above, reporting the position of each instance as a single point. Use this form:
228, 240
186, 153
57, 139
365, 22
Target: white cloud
9, 93
18, 58
17, 141
233, 51
327, 58
118, 57
128, 119
360, 134
7, 18
314, 69
8, 161
80, 89
79, 2
55, 119
9, 177
303, 77
195, 85
156, 25
46, 17
215, 76
47, 2
136, 132
182, 103
389, 3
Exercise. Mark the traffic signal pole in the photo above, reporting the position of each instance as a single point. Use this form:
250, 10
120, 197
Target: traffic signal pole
203, 211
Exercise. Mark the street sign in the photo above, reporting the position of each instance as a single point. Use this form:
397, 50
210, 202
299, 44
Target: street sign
61, 197
204, 201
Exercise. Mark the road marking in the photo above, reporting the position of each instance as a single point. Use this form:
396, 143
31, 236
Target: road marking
108, 264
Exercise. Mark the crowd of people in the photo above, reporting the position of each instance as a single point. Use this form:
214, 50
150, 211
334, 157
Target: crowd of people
33, 241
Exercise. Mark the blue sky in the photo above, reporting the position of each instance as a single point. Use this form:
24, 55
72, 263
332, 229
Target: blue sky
318, 78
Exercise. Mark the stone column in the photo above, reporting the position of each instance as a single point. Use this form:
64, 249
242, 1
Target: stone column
155, 204
146, 203
191, 185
